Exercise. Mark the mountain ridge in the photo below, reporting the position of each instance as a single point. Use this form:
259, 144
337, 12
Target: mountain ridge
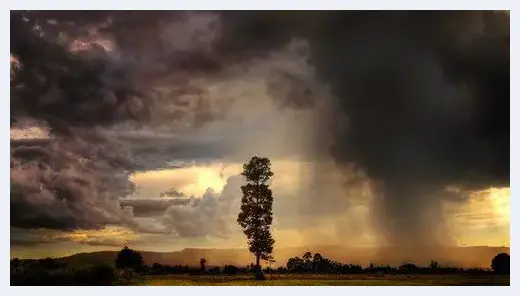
471, 256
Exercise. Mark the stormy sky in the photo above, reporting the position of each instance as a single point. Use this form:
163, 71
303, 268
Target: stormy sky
384, 128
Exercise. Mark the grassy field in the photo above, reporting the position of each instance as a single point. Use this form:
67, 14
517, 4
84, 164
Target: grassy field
325, 280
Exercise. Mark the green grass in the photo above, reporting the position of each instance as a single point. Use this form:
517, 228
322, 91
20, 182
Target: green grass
323, 280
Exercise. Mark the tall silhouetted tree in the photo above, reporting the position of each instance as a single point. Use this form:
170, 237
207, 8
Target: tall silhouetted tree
256, 213
500, 264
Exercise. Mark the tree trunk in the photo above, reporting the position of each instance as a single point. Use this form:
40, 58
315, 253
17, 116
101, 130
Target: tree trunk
259, 275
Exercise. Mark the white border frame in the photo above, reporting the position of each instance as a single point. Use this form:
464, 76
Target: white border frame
254, 5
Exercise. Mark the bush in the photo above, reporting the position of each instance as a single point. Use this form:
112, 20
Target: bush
37, 275
259, 275
128, 258
500, 263
124, 276
409, 268
214, 270
95, 276
230, 269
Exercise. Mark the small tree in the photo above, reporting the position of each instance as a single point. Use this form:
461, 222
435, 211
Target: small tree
256, 211
500, 263
307, 256
128, 258
308, 263
202, 265
434, 264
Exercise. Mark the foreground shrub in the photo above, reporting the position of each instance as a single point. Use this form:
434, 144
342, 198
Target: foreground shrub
259, 275
128, 258
500, 263
214, 270
230, 270
36, 275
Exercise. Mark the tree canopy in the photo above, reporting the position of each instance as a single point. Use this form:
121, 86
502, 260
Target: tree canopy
500, 263
128, 258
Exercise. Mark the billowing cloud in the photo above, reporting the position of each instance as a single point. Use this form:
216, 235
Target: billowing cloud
67, 185
106, 85
147, 207
212, 215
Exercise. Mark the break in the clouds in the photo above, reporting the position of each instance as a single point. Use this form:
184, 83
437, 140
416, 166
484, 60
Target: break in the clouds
383, 110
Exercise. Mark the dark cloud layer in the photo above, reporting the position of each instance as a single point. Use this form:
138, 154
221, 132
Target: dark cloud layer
421, 101
149, 207
67, 184
425, 95
100, 85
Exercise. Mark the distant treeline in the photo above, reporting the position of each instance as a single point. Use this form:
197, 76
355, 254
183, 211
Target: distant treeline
129, 264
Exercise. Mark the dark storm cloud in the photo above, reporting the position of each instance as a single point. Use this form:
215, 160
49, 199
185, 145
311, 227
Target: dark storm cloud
405, 85
153, 151
24, 237
147, 207
425, 96
67, 184
107, 85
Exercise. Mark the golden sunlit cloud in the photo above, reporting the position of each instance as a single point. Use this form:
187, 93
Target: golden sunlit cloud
195, 179
484, 219
192, 180
33, 132
110, 235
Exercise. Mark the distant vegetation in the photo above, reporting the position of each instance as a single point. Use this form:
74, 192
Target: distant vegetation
129, 267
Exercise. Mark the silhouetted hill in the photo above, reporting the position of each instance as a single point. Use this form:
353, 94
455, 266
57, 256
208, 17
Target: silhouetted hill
454, 256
